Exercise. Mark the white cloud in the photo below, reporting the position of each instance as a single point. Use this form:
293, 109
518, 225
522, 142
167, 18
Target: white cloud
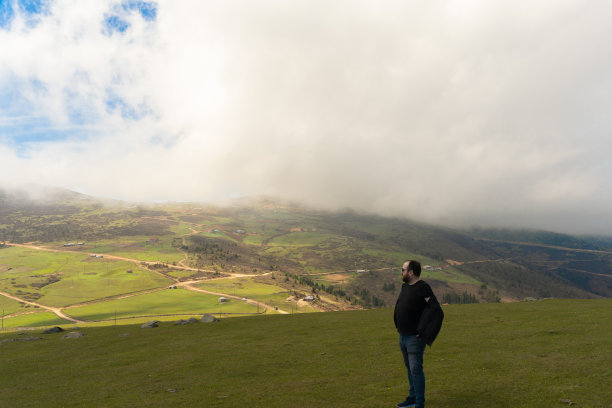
463, 112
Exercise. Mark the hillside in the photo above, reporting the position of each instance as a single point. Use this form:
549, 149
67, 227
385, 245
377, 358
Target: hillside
345, 259
527, 354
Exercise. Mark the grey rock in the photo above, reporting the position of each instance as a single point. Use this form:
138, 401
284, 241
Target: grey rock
21, 339
73, 335
190, 321
150, 325
52, 330
208, 318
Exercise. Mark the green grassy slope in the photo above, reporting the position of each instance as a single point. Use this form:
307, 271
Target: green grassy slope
531, 354
267, 236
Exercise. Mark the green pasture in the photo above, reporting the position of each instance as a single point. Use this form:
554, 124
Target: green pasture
179, 273
81, 277
211, 234
251, 289
219, 235
254, 239
8, 306
19, 262
277, 251
34, 319
324, 279
142, 248
181, 229
297, 239
520, 355
167, 301
450, 275
397, 256
104, 280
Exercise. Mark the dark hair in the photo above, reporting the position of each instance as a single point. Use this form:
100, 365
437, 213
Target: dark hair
415, 266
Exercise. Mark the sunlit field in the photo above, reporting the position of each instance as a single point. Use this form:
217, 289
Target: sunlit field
163, 302
525, 355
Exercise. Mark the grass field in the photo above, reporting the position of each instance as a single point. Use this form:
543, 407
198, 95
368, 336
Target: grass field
8, 306
262, 292
34, 319
300, 239
143, 248
526, 355
167, 301
60, 279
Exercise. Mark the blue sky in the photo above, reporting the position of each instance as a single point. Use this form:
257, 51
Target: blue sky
19, 128
460, 113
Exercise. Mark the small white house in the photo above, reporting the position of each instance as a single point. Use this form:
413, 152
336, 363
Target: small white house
309, 298
222, 299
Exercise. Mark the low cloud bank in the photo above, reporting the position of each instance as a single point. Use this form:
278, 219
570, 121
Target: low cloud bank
460, 114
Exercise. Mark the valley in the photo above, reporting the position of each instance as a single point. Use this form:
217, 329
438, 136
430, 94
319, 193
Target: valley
73, 258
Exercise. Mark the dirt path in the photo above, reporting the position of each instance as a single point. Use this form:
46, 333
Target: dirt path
56, 310
591, 251
193, 232
349, 271
186, 285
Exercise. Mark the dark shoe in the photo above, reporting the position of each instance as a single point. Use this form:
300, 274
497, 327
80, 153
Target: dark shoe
407, 403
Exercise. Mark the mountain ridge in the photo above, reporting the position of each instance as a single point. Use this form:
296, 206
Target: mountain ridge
264, 234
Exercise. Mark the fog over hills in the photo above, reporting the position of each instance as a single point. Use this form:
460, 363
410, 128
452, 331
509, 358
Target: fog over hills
511, 263
486, 113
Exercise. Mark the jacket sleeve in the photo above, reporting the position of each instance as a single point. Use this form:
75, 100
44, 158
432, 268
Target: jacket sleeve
430, 322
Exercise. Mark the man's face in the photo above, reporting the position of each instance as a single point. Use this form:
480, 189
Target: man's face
405, 272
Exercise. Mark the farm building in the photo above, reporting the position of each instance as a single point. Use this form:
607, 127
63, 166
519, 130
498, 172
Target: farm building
223, 299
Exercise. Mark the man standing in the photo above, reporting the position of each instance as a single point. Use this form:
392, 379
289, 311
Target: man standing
409, 307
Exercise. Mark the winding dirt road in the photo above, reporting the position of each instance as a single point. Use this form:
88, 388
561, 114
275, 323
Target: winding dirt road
56, 310
188, 285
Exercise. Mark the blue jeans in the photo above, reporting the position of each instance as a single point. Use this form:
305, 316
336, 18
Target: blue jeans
412, 349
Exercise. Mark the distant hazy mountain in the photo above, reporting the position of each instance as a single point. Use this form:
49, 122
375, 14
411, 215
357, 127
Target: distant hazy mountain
510, 264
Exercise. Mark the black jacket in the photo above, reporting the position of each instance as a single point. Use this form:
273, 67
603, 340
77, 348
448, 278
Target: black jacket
430, 321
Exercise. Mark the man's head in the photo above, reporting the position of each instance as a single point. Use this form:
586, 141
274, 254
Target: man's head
411, 271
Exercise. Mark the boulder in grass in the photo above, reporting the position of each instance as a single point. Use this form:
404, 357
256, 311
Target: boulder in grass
150, 325
73, 335
208, 318
190, 321
21, 339
52, 330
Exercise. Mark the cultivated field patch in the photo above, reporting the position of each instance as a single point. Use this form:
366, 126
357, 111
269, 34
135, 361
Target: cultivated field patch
164, 302
34, 319
299, 239
64, 278
251, 289
8, 306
